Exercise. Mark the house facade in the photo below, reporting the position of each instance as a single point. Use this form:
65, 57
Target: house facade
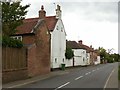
97, 57
79, 58
93, 56
58, 41
88, 51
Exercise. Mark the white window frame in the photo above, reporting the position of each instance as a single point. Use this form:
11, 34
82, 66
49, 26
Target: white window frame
17, 37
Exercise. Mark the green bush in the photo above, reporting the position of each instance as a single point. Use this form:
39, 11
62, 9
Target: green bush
69, 53
10, 42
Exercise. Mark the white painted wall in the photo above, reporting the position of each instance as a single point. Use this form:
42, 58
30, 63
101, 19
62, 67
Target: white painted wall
79, 54
88, 58
98, 60
69, 62
58, 45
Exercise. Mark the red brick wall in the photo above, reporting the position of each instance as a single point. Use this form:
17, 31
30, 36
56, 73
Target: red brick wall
39, 53
28, 39
32, 60
91, 58
9, 76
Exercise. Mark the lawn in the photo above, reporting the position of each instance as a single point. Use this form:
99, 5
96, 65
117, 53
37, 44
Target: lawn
119, 73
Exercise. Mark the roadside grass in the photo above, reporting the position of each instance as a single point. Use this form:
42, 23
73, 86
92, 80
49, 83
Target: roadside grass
119, 73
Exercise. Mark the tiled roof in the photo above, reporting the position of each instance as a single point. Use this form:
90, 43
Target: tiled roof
73, 45
29, 24
86, 47
97, 52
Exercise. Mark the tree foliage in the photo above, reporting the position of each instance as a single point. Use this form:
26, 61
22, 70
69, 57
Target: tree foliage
108, 55
12, 15
103, 52
69, 53
10, 42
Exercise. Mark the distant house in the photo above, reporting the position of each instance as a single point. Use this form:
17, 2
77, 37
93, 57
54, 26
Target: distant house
97, 57
79, 58
88, 50
92, 55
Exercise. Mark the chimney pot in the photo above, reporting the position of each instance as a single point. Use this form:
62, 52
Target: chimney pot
58, 12
80, 41
42, 13
90, 46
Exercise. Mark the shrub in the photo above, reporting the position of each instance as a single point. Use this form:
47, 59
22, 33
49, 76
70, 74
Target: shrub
69, 53
10, 42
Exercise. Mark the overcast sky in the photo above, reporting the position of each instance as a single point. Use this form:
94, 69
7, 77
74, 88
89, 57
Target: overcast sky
95, 22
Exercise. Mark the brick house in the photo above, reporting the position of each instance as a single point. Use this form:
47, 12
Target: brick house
97, 57
45, 38
35, 35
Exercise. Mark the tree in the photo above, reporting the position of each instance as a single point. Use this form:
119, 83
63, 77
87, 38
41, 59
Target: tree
69, 53
12, 15
103, 53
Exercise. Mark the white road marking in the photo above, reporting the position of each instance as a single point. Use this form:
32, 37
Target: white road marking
108, 78
97, 68
86, 73
93, 70
89, 72
78, 77
62, 85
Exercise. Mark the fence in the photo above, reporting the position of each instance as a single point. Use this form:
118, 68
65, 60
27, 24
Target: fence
14, 58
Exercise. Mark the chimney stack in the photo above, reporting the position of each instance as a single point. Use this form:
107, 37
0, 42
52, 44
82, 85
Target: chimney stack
42, 13
90, 46
80, 41
58, 12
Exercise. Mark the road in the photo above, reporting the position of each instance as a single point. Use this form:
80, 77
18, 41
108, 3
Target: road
83, 77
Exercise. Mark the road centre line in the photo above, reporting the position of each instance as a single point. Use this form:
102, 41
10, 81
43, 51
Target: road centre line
89, 72
86, 73
62, 85
78, 77
97, 68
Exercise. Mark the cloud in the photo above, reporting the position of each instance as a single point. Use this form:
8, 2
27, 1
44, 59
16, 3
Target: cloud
97, 11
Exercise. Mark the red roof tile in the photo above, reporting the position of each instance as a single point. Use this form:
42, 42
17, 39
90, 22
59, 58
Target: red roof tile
51, 22
73, 45
86, 47
29, 24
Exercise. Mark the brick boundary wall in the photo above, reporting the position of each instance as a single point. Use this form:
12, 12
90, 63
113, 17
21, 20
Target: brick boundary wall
9, 76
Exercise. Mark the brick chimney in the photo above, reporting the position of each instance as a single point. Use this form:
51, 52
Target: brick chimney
42, 13
58, 12
90, 46
80, 41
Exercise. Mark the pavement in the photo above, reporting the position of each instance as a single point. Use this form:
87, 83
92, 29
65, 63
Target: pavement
112, 81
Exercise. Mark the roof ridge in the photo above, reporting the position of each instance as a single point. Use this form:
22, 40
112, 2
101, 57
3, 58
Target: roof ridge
37, 17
